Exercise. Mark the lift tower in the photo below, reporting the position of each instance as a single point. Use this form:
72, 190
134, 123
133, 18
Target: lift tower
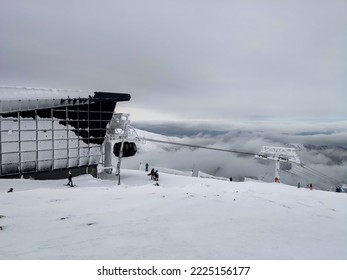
278, 154
118, 137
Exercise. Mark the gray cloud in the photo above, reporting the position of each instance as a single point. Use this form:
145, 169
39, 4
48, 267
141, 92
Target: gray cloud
192, 59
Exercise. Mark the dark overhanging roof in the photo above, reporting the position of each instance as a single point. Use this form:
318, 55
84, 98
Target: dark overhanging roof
118, 96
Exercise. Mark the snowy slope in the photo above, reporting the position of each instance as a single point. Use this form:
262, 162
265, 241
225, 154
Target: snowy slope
149, 146
183, 218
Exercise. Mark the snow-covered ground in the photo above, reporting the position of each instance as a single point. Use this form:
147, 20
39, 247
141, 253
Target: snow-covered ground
182, 218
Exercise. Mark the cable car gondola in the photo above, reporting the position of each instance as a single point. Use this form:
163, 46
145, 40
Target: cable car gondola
129, 149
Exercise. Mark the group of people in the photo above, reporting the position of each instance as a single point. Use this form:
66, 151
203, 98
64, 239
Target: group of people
154, 175
309, 186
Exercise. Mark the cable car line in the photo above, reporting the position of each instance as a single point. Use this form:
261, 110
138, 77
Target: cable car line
308, 171
199, 147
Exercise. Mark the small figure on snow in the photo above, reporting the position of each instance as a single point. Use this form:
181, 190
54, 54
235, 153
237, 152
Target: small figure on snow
311, 186
156, 176
70, 179
151, 174
10, 190
299, 185
146, 167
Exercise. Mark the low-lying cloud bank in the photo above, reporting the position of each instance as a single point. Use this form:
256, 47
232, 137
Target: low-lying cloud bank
322, 147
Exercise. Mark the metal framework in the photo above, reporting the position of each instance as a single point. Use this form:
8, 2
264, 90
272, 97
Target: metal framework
119, 130
278, 154
51, 134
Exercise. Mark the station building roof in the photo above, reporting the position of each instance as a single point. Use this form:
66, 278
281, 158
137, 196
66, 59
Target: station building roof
16, 99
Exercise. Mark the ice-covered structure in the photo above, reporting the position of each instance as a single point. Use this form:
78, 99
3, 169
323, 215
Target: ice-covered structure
50, 130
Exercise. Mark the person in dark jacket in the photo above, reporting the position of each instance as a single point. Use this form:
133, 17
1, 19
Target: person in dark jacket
70, 179
156, 176
151, 174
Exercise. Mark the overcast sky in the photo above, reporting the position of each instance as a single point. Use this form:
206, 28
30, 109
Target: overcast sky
191, 59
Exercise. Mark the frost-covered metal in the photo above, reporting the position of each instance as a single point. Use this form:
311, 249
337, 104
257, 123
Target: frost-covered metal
43, 134
120, 131
278, 154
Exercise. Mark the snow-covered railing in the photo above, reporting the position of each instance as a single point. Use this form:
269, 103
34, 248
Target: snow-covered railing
205, 175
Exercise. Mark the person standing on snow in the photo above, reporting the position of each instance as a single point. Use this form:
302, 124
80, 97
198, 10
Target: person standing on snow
70, 179
156, 176
151, 174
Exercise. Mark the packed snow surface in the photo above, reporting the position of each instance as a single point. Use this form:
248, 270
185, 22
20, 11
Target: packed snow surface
182, 218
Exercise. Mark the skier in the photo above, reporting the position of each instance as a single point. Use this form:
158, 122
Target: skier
70, 179
146, 167
10, 190
311, 186
299, 185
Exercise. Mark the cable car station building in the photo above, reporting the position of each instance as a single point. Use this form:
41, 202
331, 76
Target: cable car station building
43, 132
